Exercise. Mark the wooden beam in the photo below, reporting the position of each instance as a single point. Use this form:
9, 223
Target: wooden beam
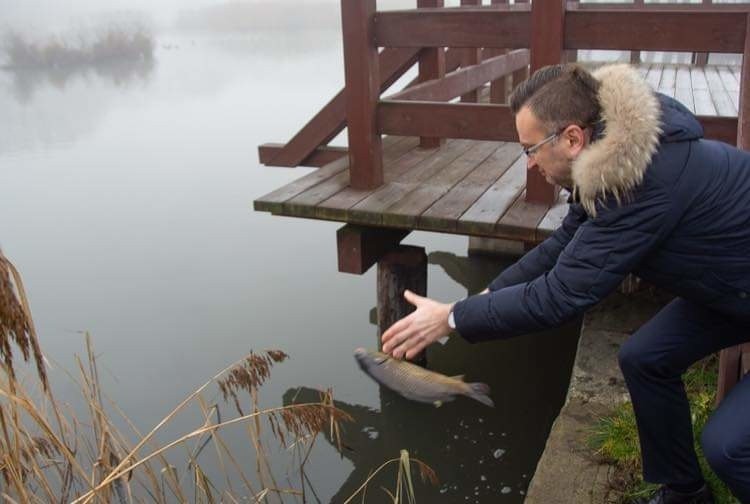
658, 6
462, 27
723, 129
656, 30
743, 120
548, 24
331, 119
321, 156
729, 371
362, 94
467, 79
449, 120
359, 247
431, 66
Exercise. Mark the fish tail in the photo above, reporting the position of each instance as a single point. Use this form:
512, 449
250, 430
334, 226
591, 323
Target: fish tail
480, 392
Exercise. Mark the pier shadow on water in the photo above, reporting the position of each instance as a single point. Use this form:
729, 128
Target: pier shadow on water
480, 454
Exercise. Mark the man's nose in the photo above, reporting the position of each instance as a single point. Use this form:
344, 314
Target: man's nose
530, 163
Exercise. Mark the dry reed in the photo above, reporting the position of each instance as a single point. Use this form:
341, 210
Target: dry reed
48, 454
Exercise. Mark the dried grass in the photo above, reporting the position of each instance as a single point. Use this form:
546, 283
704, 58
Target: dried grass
49, 454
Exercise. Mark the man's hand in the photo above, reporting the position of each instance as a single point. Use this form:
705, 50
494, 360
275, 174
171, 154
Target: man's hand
410, 335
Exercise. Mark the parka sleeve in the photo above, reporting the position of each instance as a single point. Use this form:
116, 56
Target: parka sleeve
541, 258
592, 264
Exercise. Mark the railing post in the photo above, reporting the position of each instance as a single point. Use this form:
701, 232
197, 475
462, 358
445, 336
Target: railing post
362, 94
471, 57
431, 66
500, 88
733, 361
547, 30
635, 56
701, 59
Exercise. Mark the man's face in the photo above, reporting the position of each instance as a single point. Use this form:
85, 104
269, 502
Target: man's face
555, 158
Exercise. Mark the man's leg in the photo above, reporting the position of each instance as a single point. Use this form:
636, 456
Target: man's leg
726, 440
653, 361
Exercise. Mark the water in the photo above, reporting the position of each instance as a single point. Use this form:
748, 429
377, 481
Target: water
126, 203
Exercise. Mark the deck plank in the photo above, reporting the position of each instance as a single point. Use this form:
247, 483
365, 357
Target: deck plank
554, 216
481, 217
369, 211
445, 212
653, 77
406, 211
304, 203
521, 219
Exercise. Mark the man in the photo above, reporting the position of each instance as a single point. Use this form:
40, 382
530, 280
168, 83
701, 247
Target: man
650, 196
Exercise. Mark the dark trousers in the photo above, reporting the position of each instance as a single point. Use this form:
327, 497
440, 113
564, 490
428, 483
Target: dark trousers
652, 361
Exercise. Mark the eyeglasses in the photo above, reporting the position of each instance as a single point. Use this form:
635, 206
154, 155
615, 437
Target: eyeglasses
530, 151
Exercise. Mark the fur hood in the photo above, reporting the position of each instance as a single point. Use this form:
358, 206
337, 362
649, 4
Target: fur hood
617, 162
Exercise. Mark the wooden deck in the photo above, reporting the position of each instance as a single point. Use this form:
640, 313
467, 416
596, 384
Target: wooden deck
471, 187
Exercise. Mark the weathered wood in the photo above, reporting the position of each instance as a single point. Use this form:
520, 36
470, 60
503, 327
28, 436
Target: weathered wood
521, 219
360, 247
431, 66
449, 120
729, 371
458, 82
467, 79
470, 57
443, 215
406, 211
743, 120
554, 216
402, 269
659, 6
547, 20
655, 30
331, 119
268, 152
337, 207
362, 93
464, 27
305, 203
723, 129
274, 201
370, 210
481, 217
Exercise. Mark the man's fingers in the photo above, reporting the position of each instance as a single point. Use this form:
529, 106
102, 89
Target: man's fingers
412, 298
396, 328
405, 348
398, 340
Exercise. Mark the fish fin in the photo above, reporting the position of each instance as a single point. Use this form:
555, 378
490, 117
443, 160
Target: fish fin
458, 377
480, 392
438, 403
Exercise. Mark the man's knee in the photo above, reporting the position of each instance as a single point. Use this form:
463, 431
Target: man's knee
722, 448
635, 357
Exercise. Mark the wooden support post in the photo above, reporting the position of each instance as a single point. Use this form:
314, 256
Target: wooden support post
401, 269
362, 93
731, 360
471, 56
635, 56
701, 59
499, 88
547, 30
359, 247
431, 66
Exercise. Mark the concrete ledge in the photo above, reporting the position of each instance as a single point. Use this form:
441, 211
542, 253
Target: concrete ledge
568, 472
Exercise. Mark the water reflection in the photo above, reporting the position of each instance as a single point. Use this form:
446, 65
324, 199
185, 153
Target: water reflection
25, 82
480, 454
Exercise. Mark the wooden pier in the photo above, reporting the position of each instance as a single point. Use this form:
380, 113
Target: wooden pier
441, 154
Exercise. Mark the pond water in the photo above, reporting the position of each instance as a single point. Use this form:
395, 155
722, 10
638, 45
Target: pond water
126, 203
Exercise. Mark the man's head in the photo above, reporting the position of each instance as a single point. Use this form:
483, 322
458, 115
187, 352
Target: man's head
556, 110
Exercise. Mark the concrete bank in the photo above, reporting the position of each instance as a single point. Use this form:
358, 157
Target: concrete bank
568, 472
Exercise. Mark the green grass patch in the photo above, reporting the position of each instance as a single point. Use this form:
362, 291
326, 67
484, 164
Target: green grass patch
615, 437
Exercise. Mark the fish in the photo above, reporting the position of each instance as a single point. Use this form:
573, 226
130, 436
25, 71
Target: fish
416, 383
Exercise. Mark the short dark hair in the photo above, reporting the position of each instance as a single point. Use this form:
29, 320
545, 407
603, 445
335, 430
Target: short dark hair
559, 95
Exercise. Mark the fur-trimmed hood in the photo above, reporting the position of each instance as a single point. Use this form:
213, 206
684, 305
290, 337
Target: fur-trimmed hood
634, 124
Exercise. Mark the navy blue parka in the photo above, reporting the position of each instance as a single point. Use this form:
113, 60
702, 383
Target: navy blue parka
654, 198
